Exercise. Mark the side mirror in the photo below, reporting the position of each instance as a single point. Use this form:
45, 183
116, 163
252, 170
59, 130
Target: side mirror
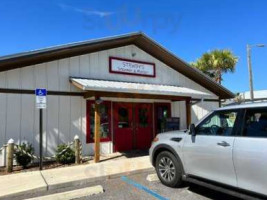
192, 129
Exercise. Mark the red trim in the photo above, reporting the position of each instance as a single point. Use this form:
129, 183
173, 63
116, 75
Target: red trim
88, 106
135, 61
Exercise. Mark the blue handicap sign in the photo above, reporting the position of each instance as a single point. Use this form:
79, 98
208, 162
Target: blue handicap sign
40, 92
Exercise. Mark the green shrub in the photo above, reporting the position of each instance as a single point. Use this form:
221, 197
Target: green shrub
24, 154
65, 154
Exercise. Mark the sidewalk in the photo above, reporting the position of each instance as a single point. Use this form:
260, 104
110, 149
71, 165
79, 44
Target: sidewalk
17, 184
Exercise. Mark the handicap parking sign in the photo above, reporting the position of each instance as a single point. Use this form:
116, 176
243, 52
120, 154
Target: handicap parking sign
40, 94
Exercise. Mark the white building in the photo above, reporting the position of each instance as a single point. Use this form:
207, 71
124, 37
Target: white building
140, 82
244, 97
259, 95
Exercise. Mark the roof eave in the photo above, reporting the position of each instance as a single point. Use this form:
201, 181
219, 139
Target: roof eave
139, 39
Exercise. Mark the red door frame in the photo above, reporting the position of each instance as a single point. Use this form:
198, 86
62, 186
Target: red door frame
143, 135
134, 125
156, 105
128, 132
88, 132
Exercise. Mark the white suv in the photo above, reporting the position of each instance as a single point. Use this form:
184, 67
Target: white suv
226, 150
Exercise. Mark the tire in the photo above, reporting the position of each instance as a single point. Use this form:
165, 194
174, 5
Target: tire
169, 169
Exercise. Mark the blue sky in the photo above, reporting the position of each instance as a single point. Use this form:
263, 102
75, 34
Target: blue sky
188, 28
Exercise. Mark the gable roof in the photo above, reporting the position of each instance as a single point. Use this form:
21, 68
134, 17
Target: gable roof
139, 39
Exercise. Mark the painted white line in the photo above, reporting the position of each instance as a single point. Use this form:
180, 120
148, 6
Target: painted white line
152, 177
74, 194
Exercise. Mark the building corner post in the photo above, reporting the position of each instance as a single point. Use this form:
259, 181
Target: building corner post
188, 112
97, 133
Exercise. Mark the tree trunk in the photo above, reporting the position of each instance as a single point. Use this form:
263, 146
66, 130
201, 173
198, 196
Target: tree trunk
218, 76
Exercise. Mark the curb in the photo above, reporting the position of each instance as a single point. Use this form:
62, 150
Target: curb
72, 194
89, 180
17, 194
39, 189
72, 183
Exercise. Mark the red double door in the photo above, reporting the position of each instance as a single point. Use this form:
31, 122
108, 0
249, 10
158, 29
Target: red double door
133, 127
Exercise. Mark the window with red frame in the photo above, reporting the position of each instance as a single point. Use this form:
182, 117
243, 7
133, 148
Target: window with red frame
105, 121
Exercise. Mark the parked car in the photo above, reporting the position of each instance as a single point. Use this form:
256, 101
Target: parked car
226, 150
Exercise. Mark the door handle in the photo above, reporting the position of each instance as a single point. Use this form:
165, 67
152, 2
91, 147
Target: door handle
223, 144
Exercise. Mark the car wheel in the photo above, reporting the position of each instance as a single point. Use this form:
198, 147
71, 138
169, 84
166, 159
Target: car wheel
169, 169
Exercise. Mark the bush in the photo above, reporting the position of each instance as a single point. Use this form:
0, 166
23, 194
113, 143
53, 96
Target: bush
65, 154
24, 154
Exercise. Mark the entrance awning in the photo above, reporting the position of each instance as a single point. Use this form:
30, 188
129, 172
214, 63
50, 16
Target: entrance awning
107, 86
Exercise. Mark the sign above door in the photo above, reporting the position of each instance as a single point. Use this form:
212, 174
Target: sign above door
131, 67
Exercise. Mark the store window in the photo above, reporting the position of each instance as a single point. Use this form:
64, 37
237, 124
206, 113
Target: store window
220, 123
162, 112
143, 117
255, 123
123, 118
105, 121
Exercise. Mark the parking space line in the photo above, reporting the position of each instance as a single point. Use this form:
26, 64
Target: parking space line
141, 187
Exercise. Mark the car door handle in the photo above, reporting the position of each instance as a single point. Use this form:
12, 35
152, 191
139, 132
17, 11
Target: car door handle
223, 144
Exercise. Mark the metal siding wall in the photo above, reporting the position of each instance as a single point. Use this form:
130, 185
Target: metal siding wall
3, 110
65, 116
178, 110
201, 109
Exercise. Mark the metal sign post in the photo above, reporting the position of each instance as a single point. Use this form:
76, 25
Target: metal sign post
40, 95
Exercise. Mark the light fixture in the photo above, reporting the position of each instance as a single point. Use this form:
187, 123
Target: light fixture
98, 100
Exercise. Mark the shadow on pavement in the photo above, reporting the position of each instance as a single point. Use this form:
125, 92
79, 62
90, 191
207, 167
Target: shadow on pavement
209, 193
128, 154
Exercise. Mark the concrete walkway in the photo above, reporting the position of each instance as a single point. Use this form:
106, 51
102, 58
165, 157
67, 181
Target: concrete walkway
23, 183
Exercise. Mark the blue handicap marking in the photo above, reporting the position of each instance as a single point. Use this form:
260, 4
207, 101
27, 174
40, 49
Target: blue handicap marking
40, 92
141, 187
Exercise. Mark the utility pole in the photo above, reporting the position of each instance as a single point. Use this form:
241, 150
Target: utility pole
250, 72
250, 68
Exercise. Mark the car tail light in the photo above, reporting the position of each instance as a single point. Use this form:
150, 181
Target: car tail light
155, 139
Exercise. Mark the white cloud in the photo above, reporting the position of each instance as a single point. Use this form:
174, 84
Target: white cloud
85, 11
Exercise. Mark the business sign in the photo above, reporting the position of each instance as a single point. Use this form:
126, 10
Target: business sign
131, 67
40, 96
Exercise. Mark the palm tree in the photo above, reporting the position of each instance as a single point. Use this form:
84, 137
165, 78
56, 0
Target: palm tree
216, 62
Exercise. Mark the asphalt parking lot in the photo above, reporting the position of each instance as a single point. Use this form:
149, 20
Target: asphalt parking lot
136, 186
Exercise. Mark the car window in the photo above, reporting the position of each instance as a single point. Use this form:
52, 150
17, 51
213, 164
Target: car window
219, 123
255, 123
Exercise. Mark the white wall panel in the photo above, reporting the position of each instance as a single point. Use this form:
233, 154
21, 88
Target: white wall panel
13, 117
64, 119
94, 66
27, 78
76, 117
83, 126
40, 76
13, 79
178, 109
36, 135
201, 109
27, 118
3, 109
3, 118
63, 70
52, 138
84, 66
74, 70
52, 76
